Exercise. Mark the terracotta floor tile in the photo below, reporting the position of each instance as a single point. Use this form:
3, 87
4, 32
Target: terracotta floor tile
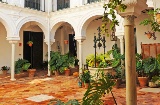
60, 87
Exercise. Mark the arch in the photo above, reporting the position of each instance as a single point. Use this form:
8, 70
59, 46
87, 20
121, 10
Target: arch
40, 22
8, 24
84, 22
58, 22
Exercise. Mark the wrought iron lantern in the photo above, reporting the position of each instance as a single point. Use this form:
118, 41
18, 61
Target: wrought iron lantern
113, 37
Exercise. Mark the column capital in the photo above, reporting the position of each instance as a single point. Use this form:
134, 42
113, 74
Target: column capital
13, 41
134, 7
120, 37
129, 20
13, 38
51, 41
80, 38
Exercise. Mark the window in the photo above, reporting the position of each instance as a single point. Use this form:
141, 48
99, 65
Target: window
61, 4
35, 4
90, 1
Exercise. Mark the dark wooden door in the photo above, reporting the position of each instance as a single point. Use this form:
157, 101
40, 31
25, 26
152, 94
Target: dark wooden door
33, 54
72, 45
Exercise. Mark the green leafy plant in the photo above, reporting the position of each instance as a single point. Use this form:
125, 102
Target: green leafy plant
94, 94
110, 12
155, 26
5, 68
58, 61
21, 64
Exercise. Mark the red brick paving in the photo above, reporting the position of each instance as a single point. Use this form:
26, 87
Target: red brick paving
60, 87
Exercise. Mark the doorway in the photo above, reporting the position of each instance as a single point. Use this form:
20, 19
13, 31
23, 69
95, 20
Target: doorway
33, 54
72, 45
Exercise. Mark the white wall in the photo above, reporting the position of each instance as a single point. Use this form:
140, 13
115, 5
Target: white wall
140, 29
88, 43
5, 48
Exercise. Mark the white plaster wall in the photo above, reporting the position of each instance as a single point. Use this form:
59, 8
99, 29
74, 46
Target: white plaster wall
5, 48
88, 43
140, 29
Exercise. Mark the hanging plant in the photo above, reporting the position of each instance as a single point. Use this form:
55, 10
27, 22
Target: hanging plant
110, 12
30, 43
153, 20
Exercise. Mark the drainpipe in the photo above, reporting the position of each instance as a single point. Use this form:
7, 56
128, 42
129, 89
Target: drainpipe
49, 45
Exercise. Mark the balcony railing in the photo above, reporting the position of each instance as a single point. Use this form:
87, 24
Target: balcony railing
32, 4
61, 4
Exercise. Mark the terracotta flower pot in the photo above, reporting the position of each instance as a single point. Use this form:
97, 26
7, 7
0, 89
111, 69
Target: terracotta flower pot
86, 85
143, 81
67, 72
149, 35
4, 72
30, 44
31, 72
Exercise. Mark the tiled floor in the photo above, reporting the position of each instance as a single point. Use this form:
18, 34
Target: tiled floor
23, 90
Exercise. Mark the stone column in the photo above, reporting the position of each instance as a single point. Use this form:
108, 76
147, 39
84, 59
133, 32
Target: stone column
80, 43
13, 60
131, 93
122, 52
49, 57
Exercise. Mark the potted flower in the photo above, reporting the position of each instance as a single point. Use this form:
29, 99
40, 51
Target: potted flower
5, 69
30, 43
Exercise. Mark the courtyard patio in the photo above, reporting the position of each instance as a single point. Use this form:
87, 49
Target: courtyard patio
41, 89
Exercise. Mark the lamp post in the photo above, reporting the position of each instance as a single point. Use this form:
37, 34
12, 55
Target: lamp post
98, 40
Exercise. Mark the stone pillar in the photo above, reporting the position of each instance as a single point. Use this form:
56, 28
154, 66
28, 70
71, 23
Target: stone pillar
13, 60
122, 52
49, 57
131, 93
80, 43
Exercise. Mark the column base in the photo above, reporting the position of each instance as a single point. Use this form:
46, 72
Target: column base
13, 79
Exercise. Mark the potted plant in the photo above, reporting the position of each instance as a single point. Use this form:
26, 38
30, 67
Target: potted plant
86, 78
58, 62
30, 43
152, 21
5, 69
20, 65
146, 69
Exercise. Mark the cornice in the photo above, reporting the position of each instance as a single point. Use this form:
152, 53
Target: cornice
26, 10
79, 8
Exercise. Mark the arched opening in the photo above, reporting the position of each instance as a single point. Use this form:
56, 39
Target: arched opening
64, 39
35, 54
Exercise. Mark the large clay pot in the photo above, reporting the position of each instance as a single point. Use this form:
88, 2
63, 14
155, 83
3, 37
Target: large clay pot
31, 72
143, 81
